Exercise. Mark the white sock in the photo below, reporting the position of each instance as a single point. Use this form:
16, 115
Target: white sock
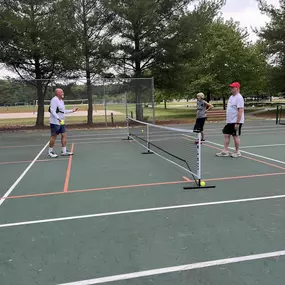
64, 149
50, 149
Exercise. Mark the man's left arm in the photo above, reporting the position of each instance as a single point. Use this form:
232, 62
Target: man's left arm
240, 107
74, 109
239, 116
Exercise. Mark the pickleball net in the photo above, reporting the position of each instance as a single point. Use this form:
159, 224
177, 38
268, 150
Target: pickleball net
180, 147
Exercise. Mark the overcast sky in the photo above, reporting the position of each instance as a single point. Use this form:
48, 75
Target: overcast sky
244, 11
247, 13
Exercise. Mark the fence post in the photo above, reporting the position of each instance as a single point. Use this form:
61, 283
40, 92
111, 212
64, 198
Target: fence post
277, 114
153, 105
112, 119
105, 110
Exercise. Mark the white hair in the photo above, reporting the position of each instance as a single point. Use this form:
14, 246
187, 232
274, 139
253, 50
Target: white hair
201, 95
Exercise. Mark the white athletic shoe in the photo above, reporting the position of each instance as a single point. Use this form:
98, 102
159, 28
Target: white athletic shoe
236, 154
223, 154
52, 154
67, 153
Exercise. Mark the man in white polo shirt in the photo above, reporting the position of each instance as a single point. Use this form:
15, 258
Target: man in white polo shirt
57, 125
235, 120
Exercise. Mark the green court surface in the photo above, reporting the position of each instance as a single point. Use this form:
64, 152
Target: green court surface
112, 215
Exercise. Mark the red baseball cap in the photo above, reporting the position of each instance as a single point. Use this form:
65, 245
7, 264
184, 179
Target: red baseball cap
235, 85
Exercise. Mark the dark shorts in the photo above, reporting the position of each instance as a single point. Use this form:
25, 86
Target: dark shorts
57, 129
229, 129
199, 125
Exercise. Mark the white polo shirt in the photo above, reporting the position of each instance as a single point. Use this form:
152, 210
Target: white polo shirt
235, 102
54, 104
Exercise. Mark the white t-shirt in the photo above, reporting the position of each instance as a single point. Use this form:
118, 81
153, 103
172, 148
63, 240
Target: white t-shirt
235, 102
54, 104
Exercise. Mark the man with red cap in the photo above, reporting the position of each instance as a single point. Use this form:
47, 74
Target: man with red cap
235, 120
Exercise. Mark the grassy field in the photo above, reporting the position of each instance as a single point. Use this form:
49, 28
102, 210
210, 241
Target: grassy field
161, 114
176, 111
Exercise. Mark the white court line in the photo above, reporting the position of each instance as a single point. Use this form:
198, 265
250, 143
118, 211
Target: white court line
96, 139
249, 153
254, 130
141, 211
264, 145
96, 142
115, 133
21, 176
179, 268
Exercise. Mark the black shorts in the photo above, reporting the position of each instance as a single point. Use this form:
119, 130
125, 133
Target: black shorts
229, 129
199, 125
57, 129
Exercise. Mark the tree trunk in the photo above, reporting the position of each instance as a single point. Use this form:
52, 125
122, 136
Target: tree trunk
138, 72
87, 64
165, 101
139, 107
90, 99
208, 97
224, 102
40, 94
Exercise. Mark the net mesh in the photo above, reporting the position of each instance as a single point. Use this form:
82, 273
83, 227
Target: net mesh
282, 115
178, 146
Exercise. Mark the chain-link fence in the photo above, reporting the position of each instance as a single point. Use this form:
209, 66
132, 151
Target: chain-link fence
112, 99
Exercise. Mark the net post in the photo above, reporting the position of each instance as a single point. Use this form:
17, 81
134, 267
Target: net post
199, 157
199, 170
147, 141
128, 131
147, 135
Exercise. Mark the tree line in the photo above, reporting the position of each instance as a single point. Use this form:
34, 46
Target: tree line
185, 49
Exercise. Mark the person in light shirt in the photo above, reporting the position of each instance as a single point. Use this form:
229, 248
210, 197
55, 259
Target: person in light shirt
57, 125
235, 120
202, 108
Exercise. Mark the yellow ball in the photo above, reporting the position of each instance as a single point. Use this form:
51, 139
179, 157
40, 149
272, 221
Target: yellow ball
142, 131
62, 122
203, 183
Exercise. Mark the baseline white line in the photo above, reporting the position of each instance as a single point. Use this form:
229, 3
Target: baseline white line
22, 175
179, 268
249, 153
265, 145
96, 142
141, 211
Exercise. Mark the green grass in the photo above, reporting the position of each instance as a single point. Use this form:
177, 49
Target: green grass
31, 109
160, 113
174, 112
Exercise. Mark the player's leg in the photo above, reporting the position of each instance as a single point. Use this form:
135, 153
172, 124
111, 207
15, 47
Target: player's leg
227, 131
202, 123
63, 142
54, 133
237, 143
198, 128
64, 151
